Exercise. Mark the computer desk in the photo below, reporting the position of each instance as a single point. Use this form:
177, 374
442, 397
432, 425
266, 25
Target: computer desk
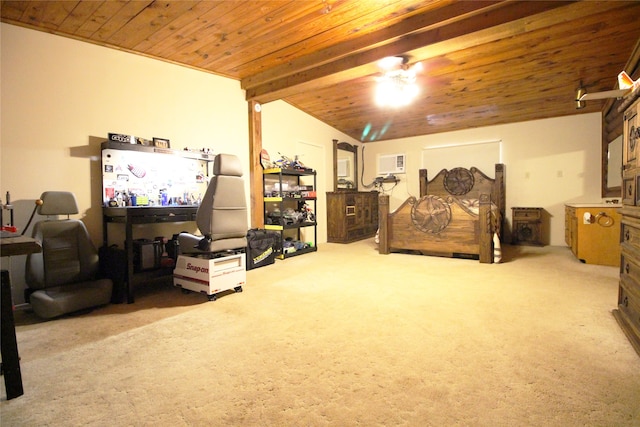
135, 215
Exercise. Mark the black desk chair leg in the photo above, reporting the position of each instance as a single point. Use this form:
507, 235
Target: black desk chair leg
10, 358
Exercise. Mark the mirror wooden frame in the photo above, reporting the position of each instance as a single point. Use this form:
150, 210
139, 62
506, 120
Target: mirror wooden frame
612, 123
345, 146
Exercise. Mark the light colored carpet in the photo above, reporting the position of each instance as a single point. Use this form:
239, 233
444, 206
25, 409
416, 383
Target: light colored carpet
343, 337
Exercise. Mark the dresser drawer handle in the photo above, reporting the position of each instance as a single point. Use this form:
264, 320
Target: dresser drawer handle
627, 268
625, 301
627, 235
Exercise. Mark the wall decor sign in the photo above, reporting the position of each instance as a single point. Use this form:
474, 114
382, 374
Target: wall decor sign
161, 142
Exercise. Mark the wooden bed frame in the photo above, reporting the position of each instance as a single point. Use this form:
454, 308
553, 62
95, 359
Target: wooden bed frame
457, 215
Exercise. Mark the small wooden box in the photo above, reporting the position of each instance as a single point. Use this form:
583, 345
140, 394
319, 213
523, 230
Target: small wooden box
526, 226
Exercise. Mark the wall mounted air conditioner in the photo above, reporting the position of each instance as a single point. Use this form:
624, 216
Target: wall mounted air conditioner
392, 164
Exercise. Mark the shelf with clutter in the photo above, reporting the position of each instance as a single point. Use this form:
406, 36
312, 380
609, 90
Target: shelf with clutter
290, 202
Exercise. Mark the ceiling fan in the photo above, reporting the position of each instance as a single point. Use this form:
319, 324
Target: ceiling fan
625, 83
397, 86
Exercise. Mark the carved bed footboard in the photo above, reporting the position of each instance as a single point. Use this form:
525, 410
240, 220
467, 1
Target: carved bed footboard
447, 224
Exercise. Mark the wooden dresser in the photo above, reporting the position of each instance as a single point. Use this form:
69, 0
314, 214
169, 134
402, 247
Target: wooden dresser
351, 215
628, 312
592, 231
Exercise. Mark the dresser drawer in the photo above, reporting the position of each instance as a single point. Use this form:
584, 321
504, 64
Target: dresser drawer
530, 214
629, 189
629, 270
629, 305
569, 215
631, 233
569, 212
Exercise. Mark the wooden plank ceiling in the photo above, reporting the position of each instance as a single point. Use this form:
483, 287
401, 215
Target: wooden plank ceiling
485, 62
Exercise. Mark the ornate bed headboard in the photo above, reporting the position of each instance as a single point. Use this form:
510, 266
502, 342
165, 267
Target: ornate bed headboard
465, 183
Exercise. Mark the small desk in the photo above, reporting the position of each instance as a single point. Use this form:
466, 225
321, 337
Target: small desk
142, 215
9, 246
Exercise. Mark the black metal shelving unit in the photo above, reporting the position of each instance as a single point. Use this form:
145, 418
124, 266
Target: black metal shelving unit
285, 198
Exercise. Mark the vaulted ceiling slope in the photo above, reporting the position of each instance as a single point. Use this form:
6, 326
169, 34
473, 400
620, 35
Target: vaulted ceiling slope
485, 62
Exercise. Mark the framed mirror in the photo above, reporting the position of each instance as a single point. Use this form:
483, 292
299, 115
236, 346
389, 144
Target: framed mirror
612, 168
345, 166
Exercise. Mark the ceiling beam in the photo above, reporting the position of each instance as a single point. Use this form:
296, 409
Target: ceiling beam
362, 62
429, 19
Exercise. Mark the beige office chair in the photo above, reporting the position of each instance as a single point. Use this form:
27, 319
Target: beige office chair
222, 215
63, 277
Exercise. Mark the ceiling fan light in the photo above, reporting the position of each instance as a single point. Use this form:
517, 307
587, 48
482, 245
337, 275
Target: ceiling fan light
411, 91
396, 89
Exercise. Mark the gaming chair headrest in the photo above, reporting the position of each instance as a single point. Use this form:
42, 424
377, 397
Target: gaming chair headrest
58, 203
227, 164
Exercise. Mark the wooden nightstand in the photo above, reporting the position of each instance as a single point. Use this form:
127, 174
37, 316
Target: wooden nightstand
526, 226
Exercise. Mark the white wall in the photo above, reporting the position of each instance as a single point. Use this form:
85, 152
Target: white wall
548, 163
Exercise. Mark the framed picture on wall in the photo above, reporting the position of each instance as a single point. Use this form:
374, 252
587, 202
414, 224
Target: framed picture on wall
161, 142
